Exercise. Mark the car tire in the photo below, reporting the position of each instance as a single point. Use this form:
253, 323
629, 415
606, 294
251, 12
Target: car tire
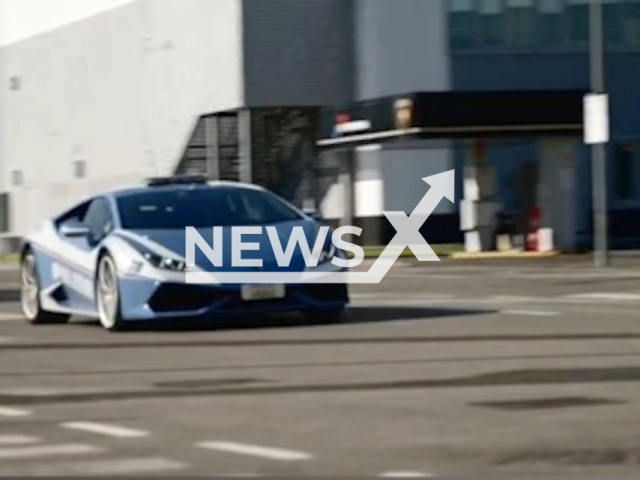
30, 294
108, 294
326, 315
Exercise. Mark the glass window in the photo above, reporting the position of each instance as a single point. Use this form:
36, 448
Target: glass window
202, 207
4, 213
578, 20
521, 23
624, 173
99, 220
79, 169
551, 23
462, 26
491, 20
611, 20
17, 178
631, 22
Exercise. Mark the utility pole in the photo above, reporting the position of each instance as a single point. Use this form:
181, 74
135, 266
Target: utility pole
599, 149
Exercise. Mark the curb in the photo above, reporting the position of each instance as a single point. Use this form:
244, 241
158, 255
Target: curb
498, 255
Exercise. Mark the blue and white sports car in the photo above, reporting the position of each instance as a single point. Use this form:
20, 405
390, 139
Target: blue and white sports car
120, 257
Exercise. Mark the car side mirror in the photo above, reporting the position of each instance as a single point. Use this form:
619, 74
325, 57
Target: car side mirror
315, 214
74, 230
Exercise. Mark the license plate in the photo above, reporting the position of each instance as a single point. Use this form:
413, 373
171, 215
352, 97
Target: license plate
262, 292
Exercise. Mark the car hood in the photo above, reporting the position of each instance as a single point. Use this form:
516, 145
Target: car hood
175, 241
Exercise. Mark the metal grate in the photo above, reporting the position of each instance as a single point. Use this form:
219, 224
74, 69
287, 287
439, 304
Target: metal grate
229, 149
283, 151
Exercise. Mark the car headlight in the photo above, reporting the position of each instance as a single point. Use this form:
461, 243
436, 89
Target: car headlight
328, 253
164, 263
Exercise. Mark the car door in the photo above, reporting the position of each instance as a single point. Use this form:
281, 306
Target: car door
83, 250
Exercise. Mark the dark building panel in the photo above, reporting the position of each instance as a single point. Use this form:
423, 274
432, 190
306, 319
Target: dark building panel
537, 71
297, 52
459, 114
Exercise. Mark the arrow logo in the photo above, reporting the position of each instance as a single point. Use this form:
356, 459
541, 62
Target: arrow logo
407, 236
408, 228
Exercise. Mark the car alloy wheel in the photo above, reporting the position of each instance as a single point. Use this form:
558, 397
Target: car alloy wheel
29, 291
108, 297
30, 295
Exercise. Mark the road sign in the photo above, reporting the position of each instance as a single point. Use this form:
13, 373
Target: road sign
596, 118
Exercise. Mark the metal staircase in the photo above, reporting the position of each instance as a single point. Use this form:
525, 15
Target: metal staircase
194, 158
283, 154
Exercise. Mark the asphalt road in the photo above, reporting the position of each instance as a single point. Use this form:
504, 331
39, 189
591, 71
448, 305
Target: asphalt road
443, 370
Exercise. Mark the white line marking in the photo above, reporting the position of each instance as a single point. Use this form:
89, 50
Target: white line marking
406, 475
13, 412
531, 313
128, 466
17, 440
605, 296
378, 296
104, 429
510, 299
32, 392
47, 451
257, 451
6, 339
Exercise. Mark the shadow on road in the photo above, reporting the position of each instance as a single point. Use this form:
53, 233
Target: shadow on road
229, 387
302, 365
356, 315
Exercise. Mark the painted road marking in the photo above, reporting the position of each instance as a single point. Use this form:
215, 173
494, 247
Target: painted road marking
406, 475
531, 313
17, 440
104, 429
13, 412
509, 299
390, 296
127, 466
256, 451
615, 296
47, 451
369, 300
10, 317
32, 392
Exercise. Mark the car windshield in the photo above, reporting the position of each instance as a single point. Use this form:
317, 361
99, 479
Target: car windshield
202, 207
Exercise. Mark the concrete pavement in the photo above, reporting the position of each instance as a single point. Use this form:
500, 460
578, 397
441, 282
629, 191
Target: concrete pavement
480, 371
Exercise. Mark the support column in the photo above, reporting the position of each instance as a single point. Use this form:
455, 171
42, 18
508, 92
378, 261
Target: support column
245, 161
347, 181
479, 209
310, 190
213, 148
557, 190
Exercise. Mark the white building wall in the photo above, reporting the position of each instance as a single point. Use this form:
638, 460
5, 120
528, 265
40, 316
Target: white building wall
4, 91
121, 91
402, 47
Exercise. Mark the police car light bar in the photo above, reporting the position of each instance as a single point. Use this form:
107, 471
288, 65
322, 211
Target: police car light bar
178, 180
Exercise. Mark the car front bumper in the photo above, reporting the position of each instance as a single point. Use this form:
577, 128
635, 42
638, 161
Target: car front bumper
145, 299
